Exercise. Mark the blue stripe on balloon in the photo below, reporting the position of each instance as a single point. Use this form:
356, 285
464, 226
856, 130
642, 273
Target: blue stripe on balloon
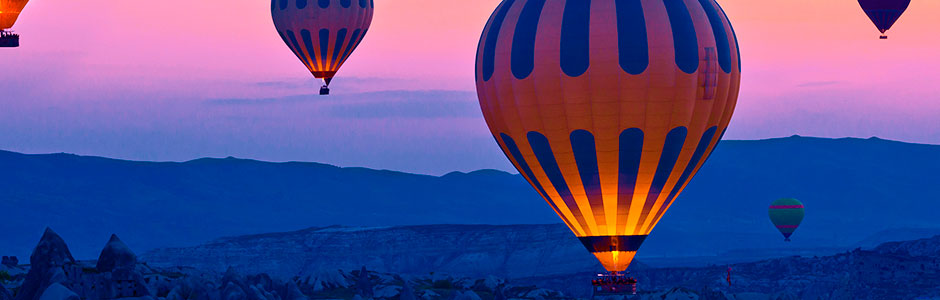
631, 151
283, 4
585, 156
324, 3
349, 46
524, 167
667, 161
273, 4
301, 4
308, 41
340, 38
631, 37
363, 3
345, 3
683, 35
489, 47
522, 59
292, 48
721, 36
293, 40
575, 41
687, 173
324, 44
736, 45
543, 152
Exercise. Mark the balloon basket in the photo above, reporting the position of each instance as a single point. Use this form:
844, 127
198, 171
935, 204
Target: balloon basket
9, 40
883, 37
324, 90
613, 284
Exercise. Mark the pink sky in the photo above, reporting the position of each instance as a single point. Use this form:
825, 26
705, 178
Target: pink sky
95, 76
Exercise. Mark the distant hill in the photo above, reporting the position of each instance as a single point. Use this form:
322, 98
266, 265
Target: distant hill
896, 235
929, 247
852, 188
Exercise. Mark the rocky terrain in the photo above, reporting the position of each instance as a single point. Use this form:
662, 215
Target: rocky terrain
53, 274
895, 270
465, 250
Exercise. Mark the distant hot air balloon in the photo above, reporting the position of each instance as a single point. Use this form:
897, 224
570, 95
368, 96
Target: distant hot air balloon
884, 12
9, 12
322, 33
608, 108
786, 214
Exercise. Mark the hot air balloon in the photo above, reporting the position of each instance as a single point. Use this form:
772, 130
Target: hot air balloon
884, 12
322, 33
608, 108
786, 214
9, 12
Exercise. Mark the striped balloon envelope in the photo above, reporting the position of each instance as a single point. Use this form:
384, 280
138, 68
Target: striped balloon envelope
322, 33
786, 214
608, 107
884, 13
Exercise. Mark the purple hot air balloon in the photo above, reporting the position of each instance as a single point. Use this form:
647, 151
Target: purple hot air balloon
884, 12
322, 33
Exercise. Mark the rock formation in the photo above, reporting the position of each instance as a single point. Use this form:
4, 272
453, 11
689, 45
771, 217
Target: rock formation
46, 263
407, 292
57, 291
364, 285
9, 261
4, 294
116, 255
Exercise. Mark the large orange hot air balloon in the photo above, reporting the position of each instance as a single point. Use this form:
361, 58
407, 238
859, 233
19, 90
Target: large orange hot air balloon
608, 107
9, 12
322, 33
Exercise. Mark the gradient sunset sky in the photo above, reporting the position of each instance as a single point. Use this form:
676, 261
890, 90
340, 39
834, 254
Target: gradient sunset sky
178, 80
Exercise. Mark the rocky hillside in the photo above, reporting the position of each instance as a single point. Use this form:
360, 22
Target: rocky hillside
896, 270
901, 270
53, 274
466, 250
922, 247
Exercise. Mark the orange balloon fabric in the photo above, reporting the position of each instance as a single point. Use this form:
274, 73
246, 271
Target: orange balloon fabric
10, 11
322, 33
608, 107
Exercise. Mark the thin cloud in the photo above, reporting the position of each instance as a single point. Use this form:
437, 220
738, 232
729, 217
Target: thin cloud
406, 104
295, 99
819, 83
378, 105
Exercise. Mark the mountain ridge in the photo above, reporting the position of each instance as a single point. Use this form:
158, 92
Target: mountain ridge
853, 188
484, 170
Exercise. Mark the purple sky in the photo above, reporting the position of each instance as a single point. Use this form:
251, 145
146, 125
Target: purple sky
147, 80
